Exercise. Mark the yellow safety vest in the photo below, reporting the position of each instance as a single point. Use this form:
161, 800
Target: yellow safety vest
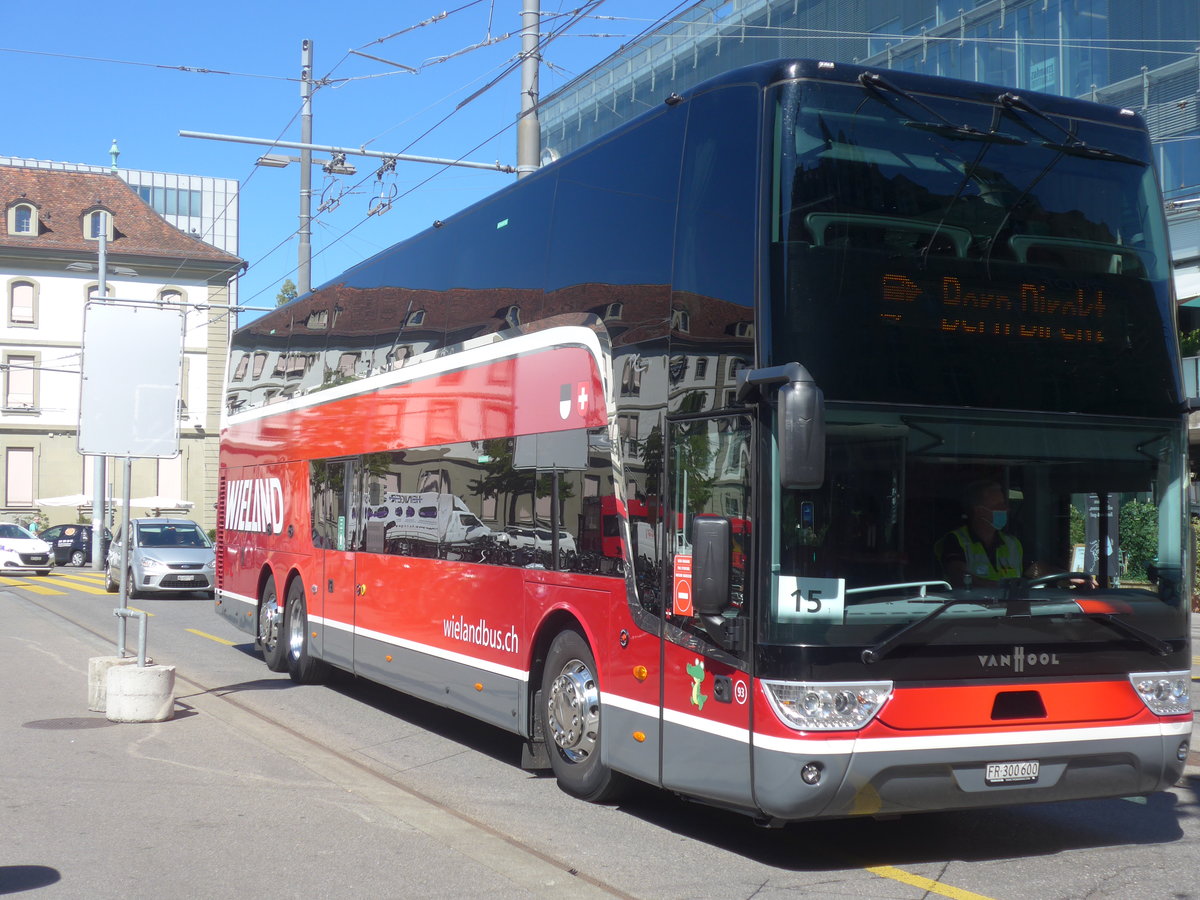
979, 564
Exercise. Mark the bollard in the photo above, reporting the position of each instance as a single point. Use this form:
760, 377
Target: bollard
141, 693
98, 667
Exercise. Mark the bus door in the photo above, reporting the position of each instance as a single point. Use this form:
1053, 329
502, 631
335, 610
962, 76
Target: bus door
706, 681
334, 537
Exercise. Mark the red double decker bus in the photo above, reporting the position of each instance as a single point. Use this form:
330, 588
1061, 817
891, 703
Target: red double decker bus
778, 449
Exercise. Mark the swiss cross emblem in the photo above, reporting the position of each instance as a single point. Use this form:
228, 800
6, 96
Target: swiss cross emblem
582, 397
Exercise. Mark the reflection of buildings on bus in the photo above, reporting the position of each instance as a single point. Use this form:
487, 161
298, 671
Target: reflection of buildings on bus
681, 352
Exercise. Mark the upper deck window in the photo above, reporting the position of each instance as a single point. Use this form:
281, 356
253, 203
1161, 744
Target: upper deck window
938, 234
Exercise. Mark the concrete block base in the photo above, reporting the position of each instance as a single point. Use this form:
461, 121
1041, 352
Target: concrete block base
145, 694
98, 667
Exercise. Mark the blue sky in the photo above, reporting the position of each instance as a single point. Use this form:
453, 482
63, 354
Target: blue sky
79, 75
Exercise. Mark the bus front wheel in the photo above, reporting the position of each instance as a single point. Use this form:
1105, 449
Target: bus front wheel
571, 710
270, 629
301, 664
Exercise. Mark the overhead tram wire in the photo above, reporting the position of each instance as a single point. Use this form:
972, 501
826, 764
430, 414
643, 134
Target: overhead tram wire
400, 196
572, 18
191, 70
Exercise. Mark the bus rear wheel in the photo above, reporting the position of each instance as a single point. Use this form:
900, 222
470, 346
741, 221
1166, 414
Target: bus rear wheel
270, 629
302, 666
571, 710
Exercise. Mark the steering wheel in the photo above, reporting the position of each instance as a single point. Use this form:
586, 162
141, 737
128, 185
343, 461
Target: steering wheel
1078, 580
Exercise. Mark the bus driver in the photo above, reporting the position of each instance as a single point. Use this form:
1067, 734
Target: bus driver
980, 550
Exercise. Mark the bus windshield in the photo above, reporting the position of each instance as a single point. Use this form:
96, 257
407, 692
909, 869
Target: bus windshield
1076, 518
1014, 259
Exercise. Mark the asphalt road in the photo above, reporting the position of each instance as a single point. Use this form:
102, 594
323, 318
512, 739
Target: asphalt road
352, 789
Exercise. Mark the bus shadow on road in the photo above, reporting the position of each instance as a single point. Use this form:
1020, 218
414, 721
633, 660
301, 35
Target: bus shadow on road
481, 737
969, 835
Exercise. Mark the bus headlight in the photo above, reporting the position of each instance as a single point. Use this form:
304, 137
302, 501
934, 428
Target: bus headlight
827, 706
1164, 693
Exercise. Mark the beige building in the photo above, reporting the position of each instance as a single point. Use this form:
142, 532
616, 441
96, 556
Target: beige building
50, 225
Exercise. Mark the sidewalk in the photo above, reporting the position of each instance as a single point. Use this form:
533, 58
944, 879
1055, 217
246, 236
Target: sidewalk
214, 803
217, 802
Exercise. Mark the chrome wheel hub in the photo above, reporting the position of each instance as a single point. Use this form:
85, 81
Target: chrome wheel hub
573, 711
268, 624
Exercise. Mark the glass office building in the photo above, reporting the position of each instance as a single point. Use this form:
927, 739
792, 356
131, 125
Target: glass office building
1140, 54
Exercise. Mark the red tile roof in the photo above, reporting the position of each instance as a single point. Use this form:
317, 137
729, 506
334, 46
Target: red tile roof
62, 198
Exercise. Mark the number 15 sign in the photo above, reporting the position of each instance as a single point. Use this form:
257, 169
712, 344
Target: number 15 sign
802, 600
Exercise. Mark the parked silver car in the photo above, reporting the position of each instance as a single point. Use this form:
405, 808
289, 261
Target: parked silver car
166, 555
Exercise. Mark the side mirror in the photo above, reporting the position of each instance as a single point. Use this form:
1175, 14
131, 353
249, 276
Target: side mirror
712, 555
712, 543
801, 436
801, 418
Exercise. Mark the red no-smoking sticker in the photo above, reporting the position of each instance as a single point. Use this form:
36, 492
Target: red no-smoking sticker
682, 603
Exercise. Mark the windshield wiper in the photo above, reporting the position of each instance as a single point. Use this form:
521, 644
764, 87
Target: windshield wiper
1079, 148
1073, 145
964, 132
1160, 648
943, 126
888, 644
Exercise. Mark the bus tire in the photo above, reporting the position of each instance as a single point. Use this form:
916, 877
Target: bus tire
571, 715
302, 666
270, 629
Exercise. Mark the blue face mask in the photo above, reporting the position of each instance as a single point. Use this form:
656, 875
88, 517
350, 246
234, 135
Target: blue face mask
999, 518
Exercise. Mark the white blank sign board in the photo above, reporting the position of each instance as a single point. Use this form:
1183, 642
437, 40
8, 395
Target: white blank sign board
129, 401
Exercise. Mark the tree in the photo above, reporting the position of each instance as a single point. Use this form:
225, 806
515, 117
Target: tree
287, 292
1139, 537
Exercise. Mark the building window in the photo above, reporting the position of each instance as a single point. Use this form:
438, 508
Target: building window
415, 319
22, 303
613, 312
18, 480
97, 222
20, 381
23, 219
170, 295
171, 201
681, 320
512, 316
701, 367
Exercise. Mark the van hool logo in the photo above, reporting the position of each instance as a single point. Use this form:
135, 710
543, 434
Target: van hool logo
254, 504
1017, 660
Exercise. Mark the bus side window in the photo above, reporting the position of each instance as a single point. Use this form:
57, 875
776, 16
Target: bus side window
327, 482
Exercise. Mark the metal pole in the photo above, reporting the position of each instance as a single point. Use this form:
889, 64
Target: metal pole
98, 486
529, 139
126, 537
304, 267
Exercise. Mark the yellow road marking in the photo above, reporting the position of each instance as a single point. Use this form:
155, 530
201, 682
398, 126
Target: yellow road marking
926, 884
81, 576
211, 637
29, 586
82, 585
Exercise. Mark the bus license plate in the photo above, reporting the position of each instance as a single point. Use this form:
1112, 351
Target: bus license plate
1016, 772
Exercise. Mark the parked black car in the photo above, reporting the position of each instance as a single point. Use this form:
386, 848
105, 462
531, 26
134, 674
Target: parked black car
73, 543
